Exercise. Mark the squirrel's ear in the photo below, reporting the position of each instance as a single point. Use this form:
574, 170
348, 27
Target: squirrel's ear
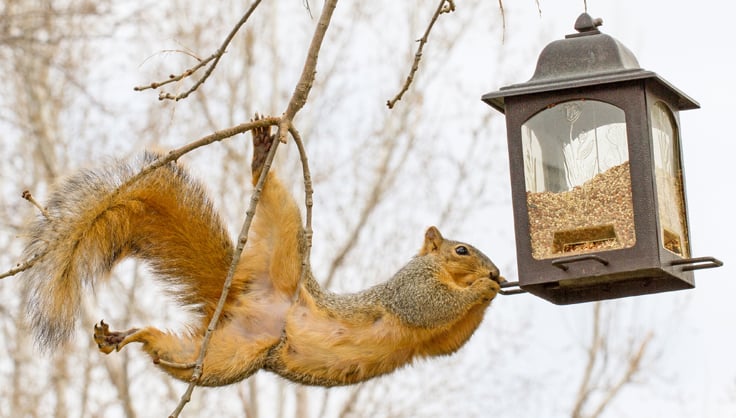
432, 240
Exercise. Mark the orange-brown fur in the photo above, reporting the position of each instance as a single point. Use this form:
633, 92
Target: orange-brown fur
252, 319
336, 339
270, 320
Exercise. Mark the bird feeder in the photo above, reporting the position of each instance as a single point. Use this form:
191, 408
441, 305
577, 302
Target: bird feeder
596, 174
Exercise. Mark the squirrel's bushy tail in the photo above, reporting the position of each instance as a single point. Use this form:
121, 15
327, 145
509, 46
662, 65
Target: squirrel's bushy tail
98, 217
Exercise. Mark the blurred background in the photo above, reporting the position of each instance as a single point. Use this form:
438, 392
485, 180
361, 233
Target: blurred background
67, 72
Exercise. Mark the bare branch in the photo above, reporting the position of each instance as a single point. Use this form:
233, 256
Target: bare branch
214, 59
172, 155
297, 101
445, 6
503, 20
226, 133
595, 345
23, 266
308, 203
29, 197
304, 85
598, 352
242, 241
633, 368
349, 405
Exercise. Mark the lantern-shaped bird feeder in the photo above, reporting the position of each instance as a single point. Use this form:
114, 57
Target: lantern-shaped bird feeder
596, 174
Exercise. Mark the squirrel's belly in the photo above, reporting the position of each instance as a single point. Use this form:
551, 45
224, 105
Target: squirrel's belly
258, 316
322, 348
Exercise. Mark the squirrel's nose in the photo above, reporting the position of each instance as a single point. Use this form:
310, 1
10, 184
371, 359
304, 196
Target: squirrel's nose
496, 277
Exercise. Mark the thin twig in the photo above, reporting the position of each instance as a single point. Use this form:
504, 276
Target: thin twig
29, 197
217, 136
242, 240
304, 85
214, 58
445, 6
23, 266
503, 21
176, 77
633, 368
297, 101
595, 345
308, 203
172, 155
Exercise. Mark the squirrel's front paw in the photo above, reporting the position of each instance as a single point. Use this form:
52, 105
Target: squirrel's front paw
107, 340
486, 288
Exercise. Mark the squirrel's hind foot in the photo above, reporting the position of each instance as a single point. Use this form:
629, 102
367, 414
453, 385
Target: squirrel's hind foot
262, 140
107, 340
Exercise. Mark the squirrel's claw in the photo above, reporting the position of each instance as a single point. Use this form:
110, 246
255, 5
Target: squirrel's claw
101, 331
107, 340
262, 140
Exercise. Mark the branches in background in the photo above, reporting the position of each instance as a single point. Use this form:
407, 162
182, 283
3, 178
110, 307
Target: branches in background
357, 398
296, 103
445, 6
22, 266
596, 375
212, 60
172, 155
503, 20
285, 126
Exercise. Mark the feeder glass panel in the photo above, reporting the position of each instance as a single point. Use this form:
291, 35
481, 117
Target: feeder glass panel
668, 174
576, 168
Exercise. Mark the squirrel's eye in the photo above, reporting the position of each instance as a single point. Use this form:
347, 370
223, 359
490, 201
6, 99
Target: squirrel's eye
461, 250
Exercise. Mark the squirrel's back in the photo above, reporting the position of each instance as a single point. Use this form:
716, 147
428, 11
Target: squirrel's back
97, 217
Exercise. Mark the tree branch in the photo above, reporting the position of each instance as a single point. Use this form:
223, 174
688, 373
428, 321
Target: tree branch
308, 203
214, 59
597, 360
22, 266
595, 345
304, 85
297, 101
445, 6
242, 241
634, 367
29, 197
172, 155
503, 21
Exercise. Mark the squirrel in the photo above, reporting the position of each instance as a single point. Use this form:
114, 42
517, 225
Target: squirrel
271, 320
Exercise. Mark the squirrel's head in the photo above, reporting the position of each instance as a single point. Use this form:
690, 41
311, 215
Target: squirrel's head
464, 262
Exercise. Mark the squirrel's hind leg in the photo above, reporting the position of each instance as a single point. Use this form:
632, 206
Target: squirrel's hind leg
230, 358
107, 340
